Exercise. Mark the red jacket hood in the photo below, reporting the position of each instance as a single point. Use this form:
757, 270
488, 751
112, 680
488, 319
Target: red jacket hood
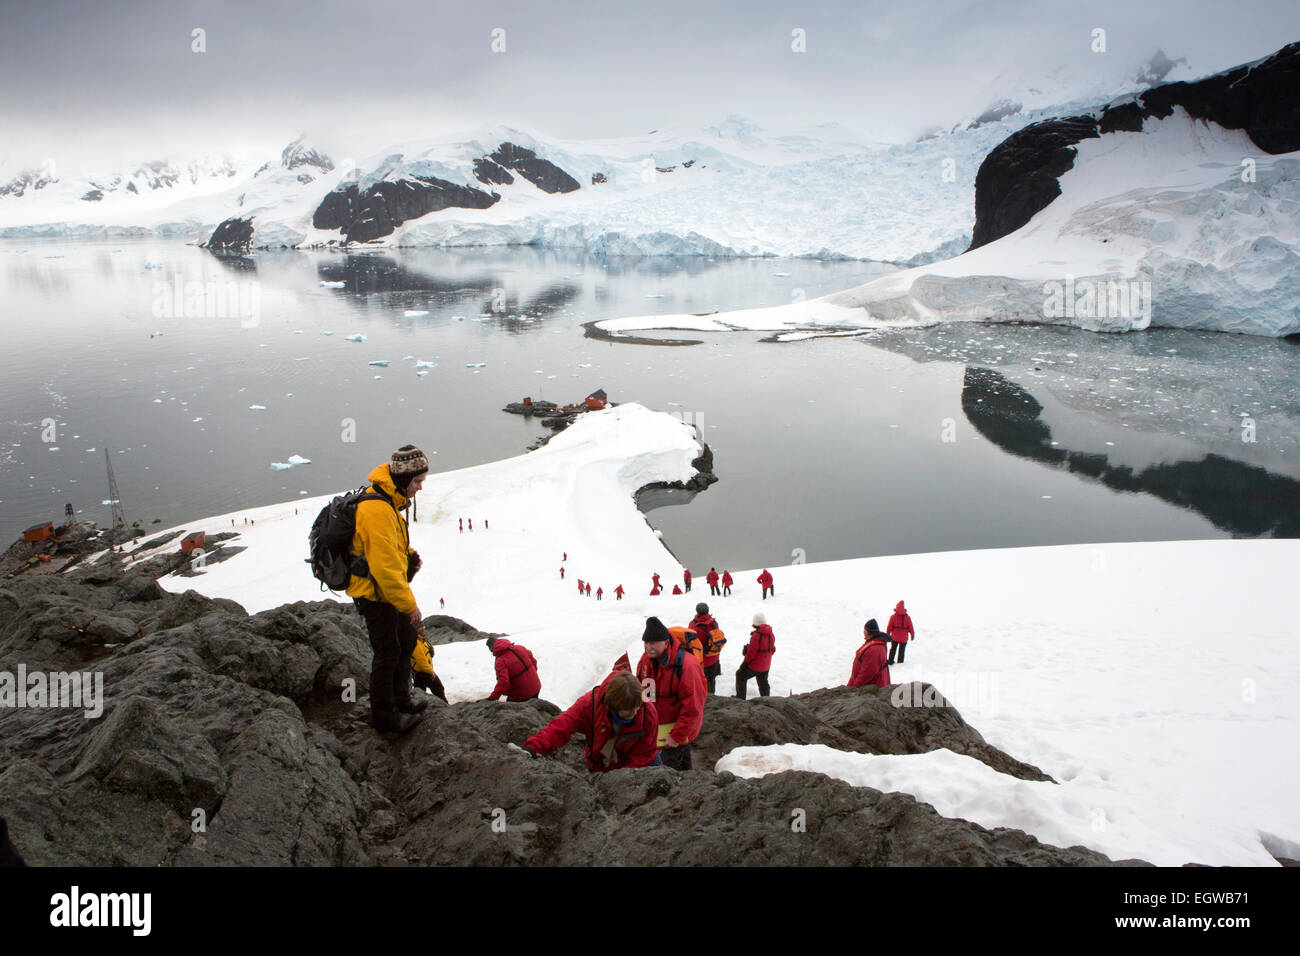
899, 609
501, 646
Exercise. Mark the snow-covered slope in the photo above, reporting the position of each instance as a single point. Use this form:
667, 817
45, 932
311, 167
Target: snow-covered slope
1119, 669
1192, 224
726, 189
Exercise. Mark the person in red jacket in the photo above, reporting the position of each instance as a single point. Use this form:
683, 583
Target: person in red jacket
765, 579
618, 593
654, 580
899, 631
758, 658
869, 665
727, 582
517, 676
712, 579
561, 572
704, 625
656, 591
686, 579
619, 726
599, 593
588, 589
679, 691
677, 589
582, 588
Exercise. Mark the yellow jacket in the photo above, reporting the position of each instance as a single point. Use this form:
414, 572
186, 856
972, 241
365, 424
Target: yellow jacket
382, 539
422, 657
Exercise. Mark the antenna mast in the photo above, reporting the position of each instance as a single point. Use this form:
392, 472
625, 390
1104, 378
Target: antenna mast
119, 516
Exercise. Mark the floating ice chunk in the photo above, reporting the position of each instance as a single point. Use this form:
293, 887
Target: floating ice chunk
476, 364
327, 284
304, 358
293, 461
381, 363
157, 401
781, 275
459, 318
199, 419
424, 364
414, 312
299, 460
378, 377
358, 337
257, 408
297, 332
655, 295
422, 373
408, 358
155, 335
54, 448
327, 333
153, 265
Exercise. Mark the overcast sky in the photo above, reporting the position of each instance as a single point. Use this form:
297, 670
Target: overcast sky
118, 81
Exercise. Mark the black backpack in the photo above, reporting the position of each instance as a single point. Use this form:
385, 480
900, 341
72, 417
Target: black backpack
332, 562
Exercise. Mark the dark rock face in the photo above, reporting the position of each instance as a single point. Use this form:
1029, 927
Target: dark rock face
383, 207
542, 173
232, 235
490, 174
93, 195
1019, 177
225, 740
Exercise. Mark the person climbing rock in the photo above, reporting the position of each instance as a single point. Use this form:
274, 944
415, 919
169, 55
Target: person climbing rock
384, 598
900, 631
423, 675
679, 692
620, 728
517, 676
869, 664
757, 658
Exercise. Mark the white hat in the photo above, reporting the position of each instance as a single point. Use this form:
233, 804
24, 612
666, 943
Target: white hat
760, 618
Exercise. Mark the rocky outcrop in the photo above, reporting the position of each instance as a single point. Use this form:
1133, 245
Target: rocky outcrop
231, 235
1019, 177
228, 739
380, 209
542, 173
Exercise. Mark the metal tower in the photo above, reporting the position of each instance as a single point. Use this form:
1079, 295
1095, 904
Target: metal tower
119, 516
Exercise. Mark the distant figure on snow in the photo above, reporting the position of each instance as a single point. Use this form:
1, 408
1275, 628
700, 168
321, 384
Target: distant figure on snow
686, 579
900, 632
561, 572
758, 658
712, 579
727, 582
656, 591
588, 589
599, 592
765, 579
582, 588
462, 524
869, 665
654, 579
677, 589
618, 593
517, 677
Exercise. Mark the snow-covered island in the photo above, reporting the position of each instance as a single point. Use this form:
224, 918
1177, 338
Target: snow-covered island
1154, 682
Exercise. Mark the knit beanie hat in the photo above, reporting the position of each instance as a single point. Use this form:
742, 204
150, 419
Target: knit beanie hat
655, 631
407, 462
701, 608
491, 643
873, 627
759, 619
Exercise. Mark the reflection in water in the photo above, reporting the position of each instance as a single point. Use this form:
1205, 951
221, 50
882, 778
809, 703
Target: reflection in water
1239, 498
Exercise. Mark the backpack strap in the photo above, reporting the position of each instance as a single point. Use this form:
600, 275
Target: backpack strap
527, 666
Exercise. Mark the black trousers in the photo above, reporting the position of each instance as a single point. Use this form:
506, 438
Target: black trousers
900, 647
688, 587
392, 639
742, 680
765, 590
679, 758
711, 673
726, 590
713, 589
432, 683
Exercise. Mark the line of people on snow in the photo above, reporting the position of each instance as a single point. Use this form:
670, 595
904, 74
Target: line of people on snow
678, 669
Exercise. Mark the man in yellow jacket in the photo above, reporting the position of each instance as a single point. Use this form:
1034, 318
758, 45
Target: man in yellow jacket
384, 598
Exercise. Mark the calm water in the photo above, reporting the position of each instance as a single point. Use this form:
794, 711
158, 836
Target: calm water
955, 438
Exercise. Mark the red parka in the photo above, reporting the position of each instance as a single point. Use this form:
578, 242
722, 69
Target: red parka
686, 576
765, 579
635, 744
727, 579
900, 625
619, 590
870, 664
702, 624
679, 700
712, 578
758, 652
677, 589
517, 676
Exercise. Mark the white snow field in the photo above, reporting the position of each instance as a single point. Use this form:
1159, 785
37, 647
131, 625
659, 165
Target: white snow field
1156, 682
822, 191
1169, 208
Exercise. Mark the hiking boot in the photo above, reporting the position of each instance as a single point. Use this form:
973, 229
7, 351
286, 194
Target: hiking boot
394, 723
413, 705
